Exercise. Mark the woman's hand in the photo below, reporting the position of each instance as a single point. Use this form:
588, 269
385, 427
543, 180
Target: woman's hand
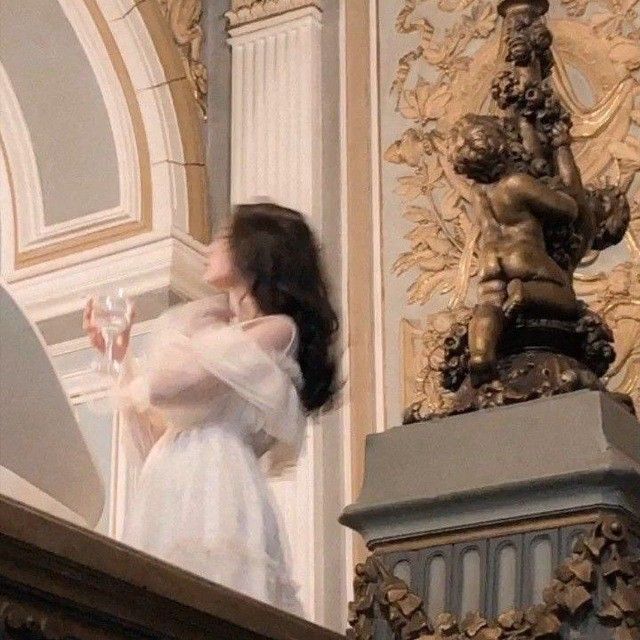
97, 339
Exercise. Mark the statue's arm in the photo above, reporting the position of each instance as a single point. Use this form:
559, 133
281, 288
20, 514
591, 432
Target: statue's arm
568, 171
570, 176
566, 167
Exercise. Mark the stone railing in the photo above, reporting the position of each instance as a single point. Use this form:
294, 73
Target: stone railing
61, 582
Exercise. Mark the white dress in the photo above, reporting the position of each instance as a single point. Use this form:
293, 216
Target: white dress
193, 413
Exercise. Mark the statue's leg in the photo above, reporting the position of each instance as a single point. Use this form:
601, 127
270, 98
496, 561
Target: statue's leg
541, 296
485, 329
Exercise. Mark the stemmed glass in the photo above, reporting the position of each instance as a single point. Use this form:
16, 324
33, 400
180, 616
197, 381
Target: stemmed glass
111, 314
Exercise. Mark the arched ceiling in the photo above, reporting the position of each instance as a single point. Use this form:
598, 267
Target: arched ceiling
101, 158
63, 109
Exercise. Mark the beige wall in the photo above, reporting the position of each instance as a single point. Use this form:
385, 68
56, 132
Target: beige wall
394, 226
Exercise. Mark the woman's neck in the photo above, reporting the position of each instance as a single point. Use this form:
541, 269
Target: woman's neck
243, 305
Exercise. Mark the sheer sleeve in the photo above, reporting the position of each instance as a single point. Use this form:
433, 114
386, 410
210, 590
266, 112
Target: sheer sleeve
161, 372
142, 426
170, 367
255, 361
186, 375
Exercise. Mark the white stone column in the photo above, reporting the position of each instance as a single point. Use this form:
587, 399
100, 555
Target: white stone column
276, 152
276, 121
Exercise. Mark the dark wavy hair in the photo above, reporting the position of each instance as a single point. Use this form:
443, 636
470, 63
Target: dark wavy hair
276, 251
613, 216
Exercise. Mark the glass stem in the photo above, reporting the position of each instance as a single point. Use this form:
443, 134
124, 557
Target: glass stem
109, 342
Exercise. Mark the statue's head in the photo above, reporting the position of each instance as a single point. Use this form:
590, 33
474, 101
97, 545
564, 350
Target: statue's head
479, 148
612, 213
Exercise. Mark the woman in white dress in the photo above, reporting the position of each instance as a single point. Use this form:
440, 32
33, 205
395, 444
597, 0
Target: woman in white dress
224, 383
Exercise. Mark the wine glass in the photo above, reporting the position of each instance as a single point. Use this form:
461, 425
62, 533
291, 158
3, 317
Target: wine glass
111, 314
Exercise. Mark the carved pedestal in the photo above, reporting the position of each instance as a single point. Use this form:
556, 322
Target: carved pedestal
476, 513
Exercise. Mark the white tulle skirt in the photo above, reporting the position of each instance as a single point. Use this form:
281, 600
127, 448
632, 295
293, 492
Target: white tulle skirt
203, 503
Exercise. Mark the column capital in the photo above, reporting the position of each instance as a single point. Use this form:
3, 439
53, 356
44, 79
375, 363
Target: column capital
246, 11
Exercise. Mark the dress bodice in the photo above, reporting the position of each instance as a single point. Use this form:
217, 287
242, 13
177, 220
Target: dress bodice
201, 371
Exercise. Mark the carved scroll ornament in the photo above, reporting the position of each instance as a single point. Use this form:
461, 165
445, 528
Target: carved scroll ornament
184, 19
23, 622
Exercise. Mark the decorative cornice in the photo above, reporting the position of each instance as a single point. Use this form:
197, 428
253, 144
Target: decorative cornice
174, 262
245, 11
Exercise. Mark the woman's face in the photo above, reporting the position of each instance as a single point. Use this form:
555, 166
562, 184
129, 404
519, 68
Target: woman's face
220, 271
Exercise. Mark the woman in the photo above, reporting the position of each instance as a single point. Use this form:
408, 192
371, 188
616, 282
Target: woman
224, 384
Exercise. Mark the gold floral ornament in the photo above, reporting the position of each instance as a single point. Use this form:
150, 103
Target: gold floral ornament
616, 297
425, 352
184, 20
447, 74
599, 584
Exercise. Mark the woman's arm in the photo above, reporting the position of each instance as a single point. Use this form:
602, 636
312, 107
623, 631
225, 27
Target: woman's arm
145, 425
183, 378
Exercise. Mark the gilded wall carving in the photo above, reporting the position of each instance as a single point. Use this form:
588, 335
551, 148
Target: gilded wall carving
448, 73
184, 19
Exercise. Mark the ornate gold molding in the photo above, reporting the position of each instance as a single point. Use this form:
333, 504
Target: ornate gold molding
188, 113
184, 18
600, 582
245, 11
460, 56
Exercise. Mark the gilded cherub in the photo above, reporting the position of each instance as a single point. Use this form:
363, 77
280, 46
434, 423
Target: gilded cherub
512, 208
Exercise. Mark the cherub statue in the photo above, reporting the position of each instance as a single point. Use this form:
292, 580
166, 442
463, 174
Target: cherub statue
512, 207
528, 336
